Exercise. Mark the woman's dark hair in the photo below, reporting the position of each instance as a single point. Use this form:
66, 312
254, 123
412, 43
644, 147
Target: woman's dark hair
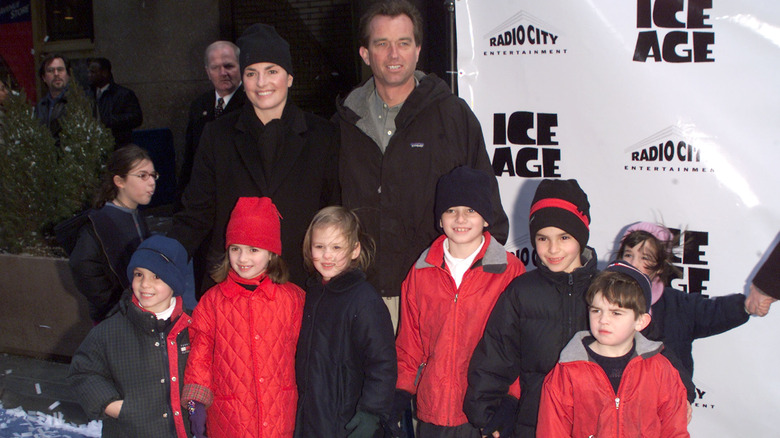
122, 161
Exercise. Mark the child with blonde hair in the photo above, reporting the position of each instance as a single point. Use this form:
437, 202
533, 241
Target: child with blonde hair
346, 362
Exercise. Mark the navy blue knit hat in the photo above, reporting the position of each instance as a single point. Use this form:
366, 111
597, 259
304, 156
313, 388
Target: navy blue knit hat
261, 43
163, 256
636, 274
562, 204
466, 187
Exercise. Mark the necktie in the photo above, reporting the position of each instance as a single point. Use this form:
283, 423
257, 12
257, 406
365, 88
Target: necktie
220, 108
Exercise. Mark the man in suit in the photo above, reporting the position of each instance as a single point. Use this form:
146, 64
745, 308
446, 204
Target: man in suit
221, 60
116, 106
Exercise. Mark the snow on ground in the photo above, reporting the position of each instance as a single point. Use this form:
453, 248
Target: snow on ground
16, 423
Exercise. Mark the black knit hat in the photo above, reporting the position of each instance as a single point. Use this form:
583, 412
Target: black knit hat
562, 204
261, 43
636, 274
163, 256
466, 187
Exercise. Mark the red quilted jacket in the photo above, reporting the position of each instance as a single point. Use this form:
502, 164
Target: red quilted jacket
242, 364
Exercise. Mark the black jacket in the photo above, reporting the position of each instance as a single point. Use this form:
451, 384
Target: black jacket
394, 192
229, 165
202, 112
346, 359
99, 260
119, 111
132, 356
533, 320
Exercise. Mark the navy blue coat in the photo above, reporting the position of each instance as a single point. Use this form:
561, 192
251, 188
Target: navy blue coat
679, 318
346, 359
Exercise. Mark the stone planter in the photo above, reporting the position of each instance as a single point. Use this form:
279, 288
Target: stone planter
42, 314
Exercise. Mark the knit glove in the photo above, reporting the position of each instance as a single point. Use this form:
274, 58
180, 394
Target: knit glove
362, 425
198, 420
503, 419
401, 402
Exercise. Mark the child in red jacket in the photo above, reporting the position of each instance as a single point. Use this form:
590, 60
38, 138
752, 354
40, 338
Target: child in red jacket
240, 378
612, 381
445, 302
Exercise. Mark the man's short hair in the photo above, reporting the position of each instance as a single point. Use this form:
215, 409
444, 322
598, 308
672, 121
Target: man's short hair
48, 60
213, 46
618, 289
104, 63
391, 8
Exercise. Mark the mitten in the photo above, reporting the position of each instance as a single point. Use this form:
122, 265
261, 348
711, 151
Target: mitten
503, 419
362, 425
197, 419
401, 402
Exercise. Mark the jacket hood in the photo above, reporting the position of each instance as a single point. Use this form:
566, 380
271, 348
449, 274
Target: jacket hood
575, 349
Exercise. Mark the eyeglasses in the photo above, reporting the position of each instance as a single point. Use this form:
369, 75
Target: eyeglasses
145, 176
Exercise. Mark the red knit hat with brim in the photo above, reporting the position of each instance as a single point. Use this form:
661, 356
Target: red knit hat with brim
255, 222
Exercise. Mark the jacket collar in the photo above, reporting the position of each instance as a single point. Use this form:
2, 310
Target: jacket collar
232, 288
247, 145
492, 258
575, 349
339, 284
429, 89
580, 275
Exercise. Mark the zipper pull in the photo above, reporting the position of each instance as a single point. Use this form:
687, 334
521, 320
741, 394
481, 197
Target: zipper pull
419, 373
617, 403
456, 298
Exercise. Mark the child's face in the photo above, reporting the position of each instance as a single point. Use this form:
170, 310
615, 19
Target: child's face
329, 253
133, 190
248, 261
463, 227
152, 293
613, 326
641, 257
557, 249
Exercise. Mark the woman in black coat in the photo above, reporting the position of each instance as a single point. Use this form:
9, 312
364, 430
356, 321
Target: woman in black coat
268, 148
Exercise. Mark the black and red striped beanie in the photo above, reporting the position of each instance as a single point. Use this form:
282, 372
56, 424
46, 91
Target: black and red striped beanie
562, 204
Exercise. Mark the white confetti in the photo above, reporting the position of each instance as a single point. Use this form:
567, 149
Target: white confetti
37, 388
54, 405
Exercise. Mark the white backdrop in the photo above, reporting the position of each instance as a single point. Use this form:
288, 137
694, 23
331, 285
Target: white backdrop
559, 93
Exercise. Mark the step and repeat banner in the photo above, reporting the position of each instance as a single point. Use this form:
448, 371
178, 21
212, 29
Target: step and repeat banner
664, 111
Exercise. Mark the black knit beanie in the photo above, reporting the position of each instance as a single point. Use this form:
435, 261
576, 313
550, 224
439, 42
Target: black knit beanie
561, 204
466, 187
261, 43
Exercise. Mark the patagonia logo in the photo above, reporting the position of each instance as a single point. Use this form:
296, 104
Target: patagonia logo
417, 145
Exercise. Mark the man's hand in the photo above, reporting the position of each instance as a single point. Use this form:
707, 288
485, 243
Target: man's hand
757, 302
